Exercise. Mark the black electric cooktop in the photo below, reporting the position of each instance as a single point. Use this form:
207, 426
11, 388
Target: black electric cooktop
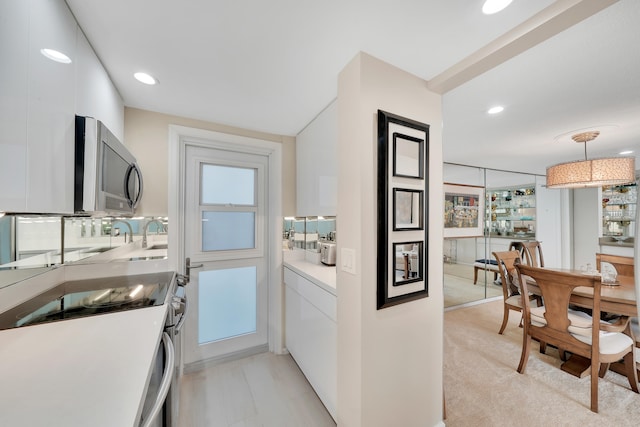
82, 298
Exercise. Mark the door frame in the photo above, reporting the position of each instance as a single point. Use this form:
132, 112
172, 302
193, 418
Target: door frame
179, 138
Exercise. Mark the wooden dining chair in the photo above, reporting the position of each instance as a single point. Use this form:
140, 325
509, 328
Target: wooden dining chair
532, 253
624, 265
574, 331
512, 299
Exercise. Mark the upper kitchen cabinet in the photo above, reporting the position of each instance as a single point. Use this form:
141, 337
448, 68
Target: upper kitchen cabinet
96, 96
50, 109
39, 98
317, 165
14, 50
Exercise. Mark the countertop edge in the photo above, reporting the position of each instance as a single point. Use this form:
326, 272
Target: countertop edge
321, 275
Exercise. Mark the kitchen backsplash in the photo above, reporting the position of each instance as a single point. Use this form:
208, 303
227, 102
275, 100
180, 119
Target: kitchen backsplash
28, 236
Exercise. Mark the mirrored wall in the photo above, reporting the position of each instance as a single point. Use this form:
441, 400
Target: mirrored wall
32, 244
485, 211
308, 232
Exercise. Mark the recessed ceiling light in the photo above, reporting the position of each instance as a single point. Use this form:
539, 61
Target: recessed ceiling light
55, 55
145, 78
494, 6
495, 110
624, 153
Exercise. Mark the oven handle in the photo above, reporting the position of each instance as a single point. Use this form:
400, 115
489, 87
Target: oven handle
166, 380
184, 314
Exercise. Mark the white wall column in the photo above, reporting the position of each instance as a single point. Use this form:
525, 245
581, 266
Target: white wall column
390, 360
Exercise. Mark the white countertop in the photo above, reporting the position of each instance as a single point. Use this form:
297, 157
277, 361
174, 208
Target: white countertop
83, 372
320, 274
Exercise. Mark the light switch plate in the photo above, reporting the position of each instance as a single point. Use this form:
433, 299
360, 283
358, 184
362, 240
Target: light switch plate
348, 260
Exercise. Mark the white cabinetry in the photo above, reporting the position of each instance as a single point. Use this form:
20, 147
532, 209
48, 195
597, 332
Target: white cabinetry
311, 334
96, 96
317, 165
50, 109
38, 100
14, 49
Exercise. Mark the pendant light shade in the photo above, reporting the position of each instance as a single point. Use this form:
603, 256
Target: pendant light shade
593, 172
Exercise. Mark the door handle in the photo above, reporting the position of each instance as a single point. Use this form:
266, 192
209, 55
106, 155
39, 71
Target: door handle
167, 377
188, 267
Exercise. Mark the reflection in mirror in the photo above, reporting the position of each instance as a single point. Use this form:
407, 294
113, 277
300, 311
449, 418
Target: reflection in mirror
504, 221
311, 237
511, 203
287, 227
32, 244
408, 265
306, 233
327, 228
407, 209
407, 156
295, 231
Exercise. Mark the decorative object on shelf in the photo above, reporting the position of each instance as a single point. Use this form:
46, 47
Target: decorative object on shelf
463, 210
591, 173
403, 146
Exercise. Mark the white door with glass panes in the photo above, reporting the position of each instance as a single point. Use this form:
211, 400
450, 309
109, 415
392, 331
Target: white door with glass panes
226, 233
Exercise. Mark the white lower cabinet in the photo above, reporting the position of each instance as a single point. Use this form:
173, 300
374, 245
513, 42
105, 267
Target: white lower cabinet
311, 334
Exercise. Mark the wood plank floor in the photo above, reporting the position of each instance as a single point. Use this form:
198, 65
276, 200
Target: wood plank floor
261, 390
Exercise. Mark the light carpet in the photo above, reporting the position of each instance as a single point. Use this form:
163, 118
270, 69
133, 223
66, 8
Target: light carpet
483, 388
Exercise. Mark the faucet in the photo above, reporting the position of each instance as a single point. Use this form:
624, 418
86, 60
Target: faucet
146, 229
128, 226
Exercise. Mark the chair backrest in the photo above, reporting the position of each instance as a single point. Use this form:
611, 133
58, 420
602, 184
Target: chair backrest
624, 265
506, 266
517, 245
556, 288
532, 253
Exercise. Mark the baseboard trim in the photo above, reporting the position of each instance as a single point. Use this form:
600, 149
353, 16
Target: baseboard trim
203, 364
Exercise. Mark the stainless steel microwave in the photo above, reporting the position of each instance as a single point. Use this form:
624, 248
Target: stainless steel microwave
107, 179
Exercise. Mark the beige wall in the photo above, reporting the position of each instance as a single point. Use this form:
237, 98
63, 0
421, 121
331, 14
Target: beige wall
389, 360
146, 134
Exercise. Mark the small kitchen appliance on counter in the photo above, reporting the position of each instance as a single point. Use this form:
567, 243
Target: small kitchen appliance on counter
328, 253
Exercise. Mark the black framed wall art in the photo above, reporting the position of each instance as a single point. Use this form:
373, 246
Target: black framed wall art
403, 190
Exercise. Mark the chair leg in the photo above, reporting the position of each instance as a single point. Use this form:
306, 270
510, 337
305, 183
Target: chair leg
630, 368
604, 367
524, 357
505, 319
543, 347
475, 275
595, 367
563, 354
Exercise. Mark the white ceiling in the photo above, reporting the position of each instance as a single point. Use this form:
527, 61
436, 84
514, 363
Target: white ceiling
272, 66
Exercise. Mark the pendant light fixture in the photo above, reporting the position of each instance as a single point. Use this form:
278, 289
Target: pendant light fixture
593, 172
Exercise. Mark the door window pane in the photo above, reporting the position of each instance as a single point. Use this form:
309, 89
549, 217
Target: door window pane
226, 303
228, 230
225, 185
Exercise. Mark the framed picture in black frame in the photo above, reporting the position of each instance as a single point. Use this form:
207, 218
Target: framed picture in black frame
402, 193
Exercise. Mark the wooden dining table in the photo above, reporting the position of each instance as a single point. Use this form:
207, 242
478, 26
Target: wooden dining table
618, 298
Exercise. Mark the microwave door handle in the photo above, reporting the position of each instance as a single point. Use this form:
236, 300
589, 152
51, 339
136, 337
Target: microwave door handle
166, 380
133, 199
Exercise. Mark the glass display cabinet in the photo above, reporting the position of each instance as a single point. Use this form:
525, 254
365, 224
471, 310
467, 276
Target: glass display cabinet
619, 212
512, 211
